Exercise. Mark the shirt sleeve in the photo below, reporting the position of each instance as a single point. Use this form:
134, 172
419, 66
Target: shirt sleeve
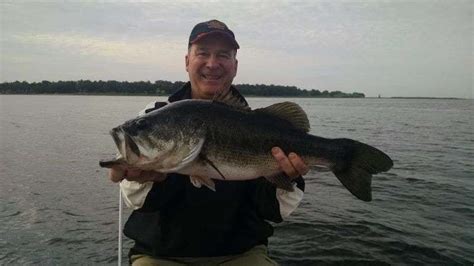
134, 193
149, 107
289, 201
275, 204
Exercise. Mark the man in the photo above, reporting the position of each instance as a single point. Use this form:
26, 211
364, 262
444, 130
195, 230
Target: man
176, 223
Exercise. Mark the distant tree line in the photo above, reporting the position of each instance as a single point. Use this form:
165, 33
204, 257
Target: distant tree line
159, 88
292, 91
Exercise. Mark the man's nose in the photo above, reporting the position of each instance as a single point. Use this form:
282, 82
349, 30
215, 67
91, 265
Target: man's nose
212, 62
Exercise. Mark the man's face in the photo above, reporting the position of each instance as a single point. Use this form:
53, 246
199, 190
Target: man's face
211, 65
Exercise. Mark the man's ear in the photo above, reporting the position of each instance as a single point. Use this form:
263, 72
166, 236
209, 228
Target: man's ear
186, 61
236, 65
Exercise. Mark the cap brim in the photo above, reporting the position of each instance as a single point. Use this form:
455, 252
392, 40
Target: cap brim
225, 34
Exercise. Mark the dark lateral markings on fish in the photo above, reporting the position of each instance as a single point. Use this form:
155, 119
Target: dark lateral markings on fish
224, 139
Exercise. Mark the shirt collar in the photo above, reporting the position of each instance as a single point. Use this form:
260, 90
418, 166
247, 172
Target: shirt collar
185, 93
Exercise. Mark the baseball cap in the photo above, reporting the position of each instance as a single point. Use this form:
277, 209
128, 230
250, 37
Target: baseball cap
212, 27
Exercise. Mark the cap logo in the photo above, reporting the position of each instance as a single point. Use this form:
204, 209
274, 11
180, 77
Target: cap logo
214, 24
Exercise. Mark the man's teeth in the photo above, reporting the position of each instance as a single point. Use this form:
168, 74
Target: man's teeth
210, 77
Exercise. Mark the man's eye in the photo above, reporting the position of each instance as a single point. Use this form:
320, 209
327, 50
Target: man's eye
202, 54
226, 56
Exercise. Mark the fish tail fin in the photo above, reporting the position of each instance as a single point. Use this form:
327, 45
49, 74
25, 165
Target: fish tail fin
359, 162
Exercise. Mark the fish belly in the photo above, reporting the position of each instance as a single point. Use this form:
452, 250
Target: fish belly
231, 172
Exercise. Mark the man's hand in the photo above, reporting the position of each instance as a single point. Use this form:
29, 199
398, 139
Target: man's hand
292, 165
117, 174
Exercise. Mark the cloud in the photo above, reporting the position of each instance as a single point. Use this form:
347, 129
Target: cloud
133, 51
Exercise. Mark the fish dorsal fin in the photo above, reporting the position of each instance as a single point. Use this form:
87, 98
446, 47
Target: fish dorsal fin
290, 112
232, 98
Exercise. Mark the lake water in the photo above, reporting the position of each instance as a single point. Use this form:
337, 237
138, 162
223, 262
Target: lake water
58, 207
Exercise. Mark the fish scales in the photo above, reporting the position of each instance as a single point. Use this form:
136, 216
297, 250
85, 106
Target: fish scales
245, 139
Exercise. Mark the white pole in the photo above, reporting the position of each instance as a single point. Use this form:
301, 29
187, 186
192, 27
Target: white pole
120, 229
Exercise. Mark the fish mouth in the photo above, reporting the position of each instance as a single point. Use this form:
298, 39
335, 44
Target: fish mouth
127, 147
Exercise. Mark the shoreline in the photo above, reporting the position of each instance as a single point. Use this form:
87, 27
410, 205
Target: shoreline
430, 98
154, 95
249, 96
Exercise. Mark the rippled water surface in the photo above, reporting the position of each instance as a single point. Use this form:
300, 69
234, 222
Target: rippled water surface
57, 206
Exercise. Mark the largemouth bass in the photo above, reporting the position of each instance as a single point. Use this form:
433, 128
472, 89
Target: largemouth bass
224, 139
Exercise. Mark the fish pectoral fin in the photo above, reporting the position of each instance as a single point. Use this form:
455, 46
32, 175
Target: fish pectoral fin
197, 181
209, 162
281, 180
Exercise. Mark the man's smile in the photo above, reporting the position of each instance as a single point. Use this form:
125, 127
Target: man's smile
211, 77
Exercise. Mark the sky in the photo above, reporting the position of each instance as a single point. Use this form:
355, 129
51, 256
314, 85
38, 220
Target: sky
388, 48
